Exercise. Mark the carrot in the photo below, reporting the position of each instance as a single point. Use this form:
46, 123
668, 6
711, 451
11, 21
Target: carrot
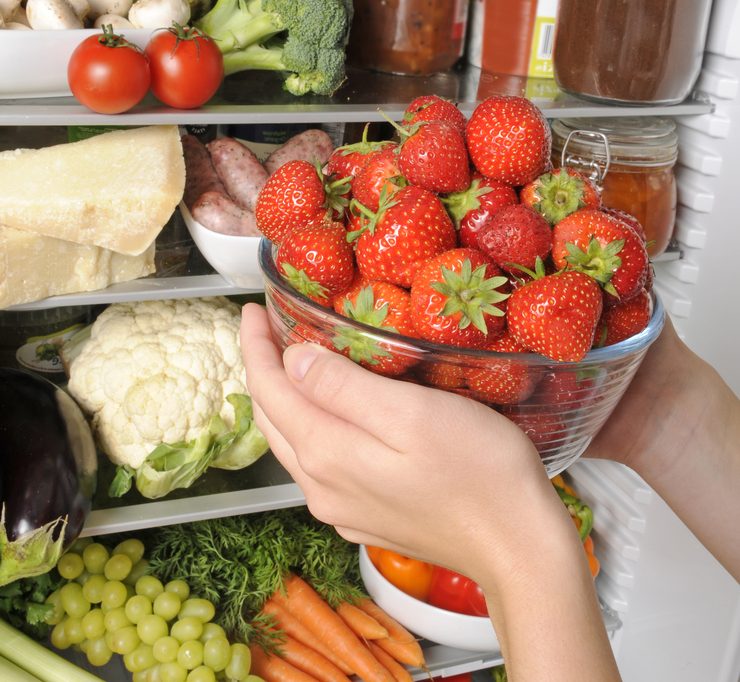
399, 672
309, 608
361, 623
292, 627
400, 643
273, 668
310, 661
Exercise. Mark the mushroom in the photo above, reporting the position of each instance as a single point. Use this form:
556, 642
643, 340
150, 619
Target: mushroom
52, 14
81, 8
115, 20
159, 13
15, 26
99, 8
20, 17
8, 10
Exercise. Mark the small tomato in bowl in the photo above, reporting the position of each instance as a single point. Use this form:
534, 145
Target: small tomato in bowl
454, 592
409, 575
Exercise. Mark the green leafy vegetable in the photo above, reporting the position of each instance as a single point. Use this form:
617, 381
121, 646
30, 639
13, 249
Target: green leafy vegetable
23, 603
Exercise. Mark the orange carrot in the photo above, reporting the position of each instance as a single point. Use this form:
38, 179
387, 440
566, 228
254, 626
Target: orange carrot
309, 608
292, 627
399, 672
273, 668
310, 661
400, 643
361, 623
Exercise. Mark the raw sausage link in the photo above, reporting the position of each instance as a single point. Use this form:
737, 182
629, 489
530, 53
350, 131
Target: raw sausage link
312, 145
217, 212
240, 170
200, 175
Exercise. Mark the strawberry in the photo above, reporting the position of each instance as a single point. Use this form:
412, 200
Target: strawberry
628, 218
455, 299
434, 108
556, 315
509, 139
410, 227
347, 160
294, 194
557, 194
473, 207
623, 320
380, 172
317, 261
445, 375
545, 429
567, 390
516, 235
606, 249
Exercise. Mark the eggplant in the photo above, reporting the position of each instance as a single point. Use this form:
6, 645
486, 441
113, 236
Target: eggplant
48, 473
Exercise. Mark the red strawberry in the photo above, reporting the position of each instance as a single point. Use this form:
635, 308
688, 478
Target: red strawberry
347, 160
557, 194
623, 320
628, 218
434, 108
380, 172
317, 261
566, 390
556, 315
410, 227
445, 375
509, 139
516, 235
545, 429
455, 299
472, 208
606, 249
294, 194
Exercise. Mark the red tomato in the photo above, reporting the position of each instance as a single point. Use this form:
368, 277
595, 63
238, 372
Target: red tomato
460, 677
108, 74
409, 575
455, 592
187, 66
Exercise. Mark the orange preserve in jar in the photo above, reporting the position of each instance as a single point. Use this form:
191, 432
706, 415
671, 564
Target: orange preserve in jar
632, 159
410, 37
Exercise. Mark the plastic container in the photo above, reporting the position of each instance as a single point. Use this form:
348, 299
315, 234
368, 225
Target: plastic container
561, 431
409, 37
630, 51
632, 159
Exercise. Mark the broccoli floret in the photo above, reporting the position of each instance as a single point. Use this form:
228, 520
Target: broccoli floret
304, 38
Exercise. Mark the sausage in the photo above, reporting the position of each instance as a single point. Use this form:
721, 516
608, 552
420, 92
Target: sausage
239, 169
217, 212
312, 145
200, 175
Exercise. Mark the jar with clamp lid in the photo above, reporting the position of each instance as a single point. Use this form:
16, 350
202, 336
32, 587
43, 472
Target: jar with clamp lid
632, 160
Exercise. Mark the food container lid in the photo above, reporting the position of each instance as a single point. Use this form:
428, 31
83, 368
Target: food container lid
632, 140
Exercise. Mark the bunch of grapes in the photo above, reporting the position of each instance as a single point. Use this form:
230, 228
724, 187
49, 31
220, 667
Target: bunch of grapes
110, 605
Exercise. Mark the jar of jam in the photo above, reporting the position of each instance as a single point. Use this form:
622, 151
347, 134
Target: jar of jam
630, 51
410, 37
632, 159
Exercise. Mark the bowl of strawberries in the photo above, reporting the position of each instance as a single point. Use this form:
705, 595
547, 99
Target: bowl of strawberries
453, 256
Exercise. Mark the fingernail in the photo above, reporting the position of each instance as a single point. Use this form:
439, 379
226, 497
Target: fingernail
299, 358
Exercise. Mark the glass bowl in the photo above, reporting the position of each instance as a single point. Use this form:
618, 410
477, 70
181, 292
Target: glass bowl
559, 405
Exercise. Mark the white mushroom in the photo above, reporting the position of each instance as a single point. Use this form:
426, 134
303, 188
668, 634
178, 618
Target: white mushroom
15, 26
20, 17
51, 14
8, 9
100, 8
159, 13
116, 21
81, 8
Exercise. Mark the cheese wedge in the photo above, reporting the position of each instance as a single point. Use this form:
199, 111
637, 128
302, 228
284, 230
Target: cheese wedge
115, 190
33, 267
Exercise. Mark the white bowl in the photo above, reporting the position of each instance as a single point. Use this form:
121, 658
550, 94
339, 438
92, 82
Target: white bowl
458, 630
234, 258
34, 63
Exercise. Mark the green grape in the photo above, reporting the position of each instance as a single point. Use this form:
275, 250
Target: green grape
201, 674
165, 649
57, 614
73, 628
93, 624
98, 652
151, 627
133, 548
186, 629
118, 567
70, 565
212, 631
82, 646
149, 586
83, 577
178, 587
137, 607
167, 605
59, 637
217, 653
73, 600
140, 568
124, 640
95, 555
240, 662
92, 590
201, 609
79, 545
140, 659
115, 619
190, 654
253, 678
113, 595
172, 672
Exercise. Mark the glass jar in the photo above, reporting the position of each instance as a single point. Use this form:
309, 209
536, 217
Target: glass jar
632, 159
631, 51
409, 37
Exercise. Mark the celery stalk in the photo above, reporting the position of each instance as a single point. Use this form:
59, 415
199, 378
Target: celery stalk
37, 660
10, 672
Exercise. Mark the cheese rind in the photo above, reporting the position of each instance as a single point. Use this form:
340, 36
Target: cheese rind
115, 190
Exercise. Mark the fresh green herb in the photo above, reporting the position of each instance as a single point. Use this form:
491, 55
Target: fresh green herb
22, 603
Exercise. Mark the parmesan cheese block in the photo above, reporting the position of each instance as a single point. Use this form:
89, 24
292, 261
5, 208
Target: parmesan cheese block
33, 267
115, 190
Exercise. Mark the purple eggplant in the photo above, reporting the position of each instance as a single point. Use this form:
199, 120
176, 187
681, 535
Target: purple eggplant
48, 471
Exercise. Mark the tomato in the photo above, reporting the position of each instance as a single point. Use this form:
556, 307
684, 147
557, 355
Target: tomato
460, 677
454, 592
409, 575
187, 66
108, 74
